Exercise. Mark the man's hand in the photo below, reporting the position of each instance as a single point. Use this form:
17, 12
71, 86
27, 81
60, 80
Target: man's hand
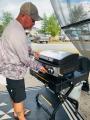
43, 70
36, 55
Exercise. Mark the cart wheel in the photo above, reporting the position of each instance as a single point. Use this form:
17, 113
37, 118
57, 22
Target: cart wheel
37, 100
51, 119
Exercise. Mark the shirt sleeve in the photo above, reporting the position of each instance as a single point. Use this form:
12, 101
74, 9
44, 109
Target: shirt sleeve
21, 49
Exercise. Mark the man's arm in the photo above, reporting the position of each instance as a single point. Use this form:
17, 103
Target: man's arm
21, 50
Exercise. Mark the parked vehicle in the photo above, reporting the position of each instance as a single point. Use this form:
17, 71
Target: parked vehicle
85, 37
41, 38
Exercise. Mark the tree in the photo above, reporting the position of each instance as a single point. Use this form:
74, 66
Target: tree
6, 18
1, 29
44, 27
53, 25
50, 25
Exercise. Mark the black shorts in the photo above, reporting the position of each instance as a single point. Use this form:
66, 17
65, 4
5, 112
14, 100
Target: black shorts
16, 89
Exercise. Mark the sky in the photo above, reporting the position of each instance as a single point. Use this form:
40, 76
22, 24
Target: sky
75, 1
44, 6
12, 6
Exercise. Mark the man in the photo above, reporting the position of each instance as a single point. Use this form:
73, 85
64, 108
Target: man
15, 58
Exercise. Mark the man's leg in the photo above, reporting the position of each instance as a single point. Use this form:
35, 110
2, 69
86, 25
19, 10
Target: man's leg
19, 110
26, 111
16, 89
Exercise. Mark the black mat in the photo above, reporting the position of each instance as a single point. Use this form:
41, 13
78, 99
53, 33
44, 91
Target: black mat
37, 112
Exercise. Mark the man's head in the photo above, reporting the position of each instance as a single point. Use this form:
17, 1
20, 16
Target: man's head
28, 15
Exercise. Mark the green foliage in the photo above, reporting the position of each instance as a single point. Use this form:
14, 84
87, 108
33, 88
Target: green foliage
50, 25
44, 24
6, 18
53, 26
1, 29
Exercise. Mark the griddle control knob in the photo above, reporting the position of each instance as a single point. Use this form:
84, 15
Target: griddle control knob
50, 70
